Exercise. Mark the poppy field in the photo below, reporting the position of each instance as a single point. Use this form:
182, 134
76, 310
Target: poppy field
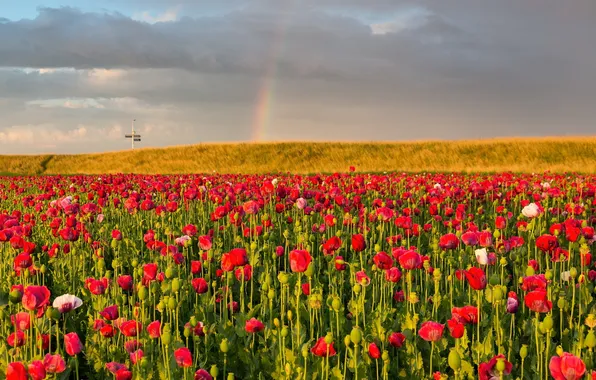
340, 276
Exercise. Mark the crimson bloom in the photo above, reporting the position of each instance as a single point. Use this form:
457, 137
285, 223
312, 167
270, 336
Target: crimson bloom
154, 329
110, 313
21, 321
358, 243
72, 344
130, 328
476, 278
566, 367
202, 374
410, 260
320, 348
183, 357
397, 339
299, 260
456, 328
16, 371
448, 241
465, 315
538, 301
54, 363
382, 260
253, 325
488, 371
431, 331
200, 285
373, 351
35, 297
36, 370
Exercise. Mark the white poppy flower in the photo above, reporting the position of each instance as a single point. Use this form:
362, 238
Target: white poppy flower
66, 303
481, 256
531, 211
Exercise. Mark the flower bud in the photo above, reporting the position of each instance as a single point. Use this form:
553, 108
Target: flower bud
223, 346
347, 340
166, 338
454, 360
523, 351
356, 335
214, 371
590, 341
548, 323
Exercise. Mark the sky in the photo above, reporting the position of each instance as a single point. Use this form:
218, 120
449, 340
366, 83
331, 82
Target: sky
75, 73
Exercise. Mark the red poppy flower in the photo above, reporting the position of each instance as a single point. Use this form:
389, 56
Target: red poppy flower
131, 328
393, 275
410, 260
320, 348
253, 325
195, 267
21, 321
35, 297
566, 367
107, 331
154, 329
476, 278
547, 243
373, 351
190, 230
110, 313
340, 265
331, 245
202, 374
397, 339
123, 374
431, 331
448, 241
36, 370
465, 315
238, 257
205, 242
535, 282
200, 285
16, 339
487, 370
72, 344
54, 363
358, 243
382, 260
538, 302
299, 260
125, 282
183, 357
456, 328
149, 272
244, 272
16, 371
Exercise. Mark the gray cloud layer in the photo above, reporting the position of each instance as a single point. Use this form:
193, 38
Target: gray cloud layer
343, 70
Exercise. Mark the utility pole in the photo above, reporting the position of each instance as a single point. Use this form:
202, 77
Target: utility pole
133, 137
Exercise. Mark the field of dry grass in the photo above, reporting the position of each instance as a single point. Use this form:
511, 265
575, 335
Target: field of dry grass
577, 154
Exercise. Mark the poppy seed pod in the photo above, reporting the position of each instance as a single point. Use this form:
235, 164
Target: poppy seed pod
223, 346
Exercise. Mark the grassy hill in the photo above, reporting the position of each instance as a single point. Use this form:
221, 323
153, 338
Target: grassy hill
577, 154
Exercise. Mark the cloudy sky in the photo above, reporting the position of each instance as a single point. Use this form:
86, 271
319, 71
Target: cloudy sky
74, 73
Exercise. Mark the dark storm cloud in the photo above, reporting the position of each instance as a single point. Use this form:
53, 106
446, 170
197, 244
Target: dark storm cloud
347, 69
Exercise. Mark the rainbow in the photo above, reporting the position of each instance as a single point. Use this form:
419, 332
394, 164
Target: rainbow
265, 98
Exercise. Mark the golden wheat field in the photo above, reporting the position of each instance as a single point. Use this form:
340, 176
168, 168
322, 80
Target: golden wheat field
571, 154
